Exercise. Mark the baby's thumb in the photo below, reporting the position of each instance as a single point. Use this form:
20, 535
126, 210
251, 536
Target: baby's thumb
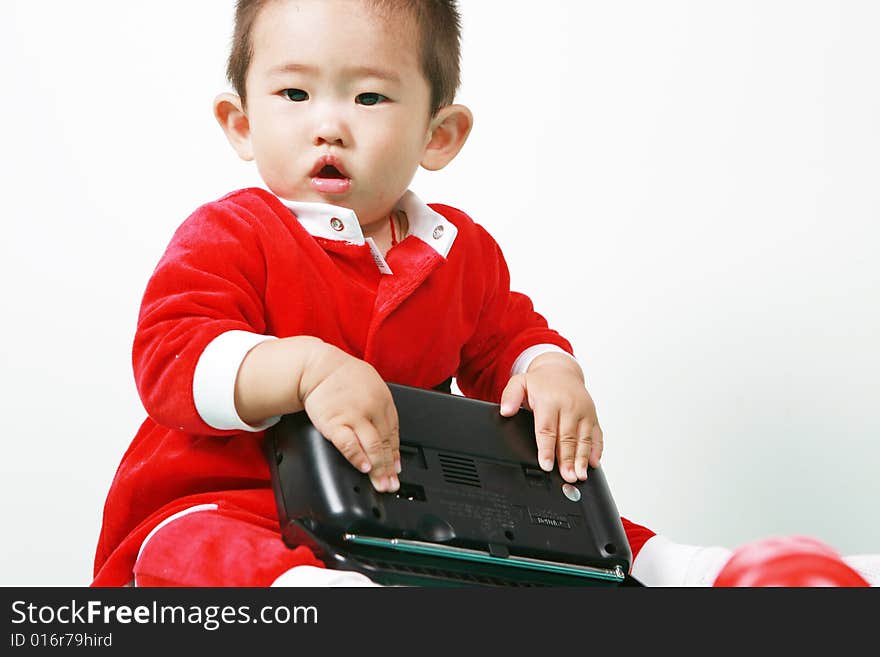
513, 395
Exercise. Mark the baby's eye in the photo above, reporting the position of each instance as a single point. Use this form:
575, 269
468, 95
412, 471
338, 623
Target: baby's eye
296, 95
370, 99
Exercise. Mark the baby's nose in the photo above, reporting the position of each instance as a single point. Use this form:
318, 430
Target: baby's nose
331, 131
328, 138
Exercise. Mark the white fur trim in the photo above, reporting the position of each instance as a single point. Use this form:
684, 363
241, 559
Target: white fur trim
661, 562
314, 576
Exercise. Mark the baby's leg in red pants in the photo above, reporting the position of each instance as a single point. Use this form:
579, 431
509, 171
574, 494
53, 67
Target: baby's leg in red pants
207, 546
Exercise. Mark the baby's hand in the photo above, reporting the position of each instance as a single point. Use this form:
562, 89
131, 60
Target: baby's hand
350, 404
565, 415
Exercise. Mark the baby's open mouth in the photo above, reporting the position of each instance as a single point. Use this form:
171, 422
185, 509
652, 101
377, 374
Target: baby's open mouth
329, 167
330, 172
330, 177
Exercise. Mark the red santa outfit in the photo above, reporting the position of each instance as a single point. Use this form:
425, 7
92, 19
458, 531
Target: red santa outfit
249, 268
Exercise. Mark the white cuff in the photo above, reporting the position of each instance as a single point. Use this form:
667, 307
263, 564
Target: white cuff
661, 562
214, 380
522, 362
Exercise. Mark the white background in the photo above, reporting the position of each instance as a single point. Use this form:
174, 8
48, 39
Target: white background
688, 190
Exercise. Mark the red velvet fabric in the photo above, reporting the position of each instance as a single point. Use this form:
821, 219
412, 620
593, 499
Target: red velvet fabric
227, 547
245, 263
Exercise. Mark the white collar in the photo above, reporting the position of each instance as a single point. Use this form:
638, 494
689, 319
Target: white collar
338, 223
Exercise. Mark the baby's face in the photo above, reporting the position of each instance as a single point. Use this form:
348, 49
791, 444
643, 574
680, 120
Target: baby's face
339, 109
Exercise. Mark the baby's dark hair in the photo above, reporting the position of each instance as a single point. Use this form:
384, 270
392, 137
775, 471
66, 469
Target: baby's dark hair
439, 24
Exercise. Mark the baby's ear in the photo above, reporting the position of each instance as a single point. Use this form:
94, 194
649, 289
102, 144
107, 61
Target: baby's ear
449, 130
230, 114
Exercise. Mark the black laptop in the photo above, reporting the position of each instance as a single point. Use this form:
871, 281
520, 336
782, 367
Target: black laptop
473, 507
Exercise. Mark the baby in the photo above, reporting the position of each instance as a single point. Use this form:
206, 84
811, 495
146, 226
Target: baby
313, 292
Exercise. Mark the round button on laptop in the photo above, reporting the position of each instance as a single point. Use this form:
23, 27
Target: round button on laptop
571, 492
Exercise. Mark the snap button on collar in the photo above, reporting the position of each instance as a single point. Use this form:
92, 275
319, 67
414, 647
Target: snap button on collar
337, 225
438, 232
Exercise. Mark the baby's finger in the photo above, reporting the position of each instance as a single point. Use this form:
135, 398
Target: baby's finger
346, 441
378, 449
598, 445
392, 424
567, 446
546, 429
584, 448
513, 396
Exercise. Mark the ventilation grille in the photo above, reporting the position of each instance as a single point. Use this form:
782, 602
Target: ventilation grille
459, 470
